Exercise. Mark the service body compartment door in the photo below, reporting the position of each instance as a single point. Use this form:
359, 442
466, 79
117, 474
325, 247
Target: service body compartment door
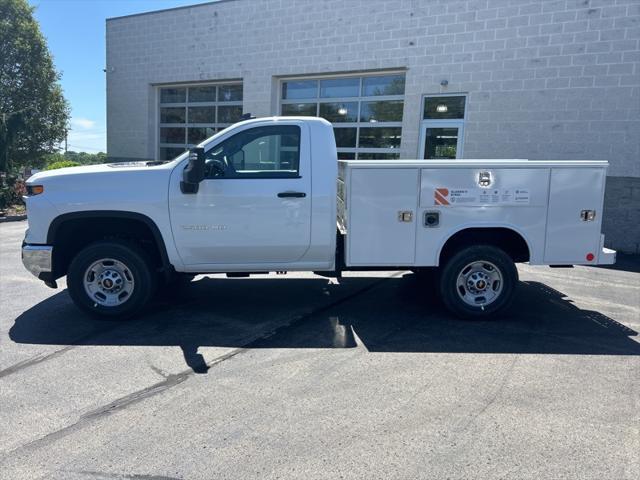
379, 233
516, 199
574, 192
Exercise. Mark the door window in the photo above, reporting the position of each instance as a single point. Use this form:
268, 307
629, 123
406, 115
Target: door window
441, 143
261, 152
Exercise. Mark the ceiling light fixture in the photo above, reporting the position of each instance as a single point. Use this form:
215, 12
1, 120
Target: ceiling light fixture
442, 108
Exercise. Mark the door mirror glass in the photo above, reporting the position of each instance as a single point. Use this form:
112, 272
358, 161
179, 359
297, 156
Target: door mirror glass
193, 173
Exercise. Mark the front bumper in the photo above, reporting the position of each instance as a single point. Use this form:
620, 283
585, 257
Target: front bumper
38, 259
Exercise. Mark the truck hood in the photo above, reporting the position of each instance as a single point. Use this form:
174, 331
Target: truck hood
105, 168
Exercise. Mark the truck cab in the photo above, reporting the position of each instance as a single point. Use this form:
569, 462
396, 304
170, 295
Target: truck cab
266, 200
270, 195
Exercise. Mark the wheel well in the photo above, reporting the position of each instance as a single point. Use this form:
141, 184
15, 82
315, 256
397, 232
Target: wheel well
71, 233
504, 238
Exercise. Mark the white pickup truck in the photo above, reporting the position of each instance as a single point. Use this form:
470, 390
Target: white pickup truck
270, 195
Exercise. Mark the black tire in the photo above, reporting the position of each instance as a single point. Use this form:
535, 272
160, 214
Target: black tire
138, 265
503, 291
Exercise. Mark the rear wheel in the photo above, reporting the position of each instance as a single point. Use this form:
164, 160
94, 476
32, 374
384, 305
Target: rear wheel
111, 279
478, 282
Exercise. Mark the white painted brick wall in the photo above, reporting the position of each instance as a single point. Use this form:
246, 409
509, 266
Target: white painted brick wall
554, 79
545, 79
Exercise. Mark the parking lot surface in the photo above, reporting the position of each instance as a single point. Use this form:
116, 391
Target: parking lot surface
297, 376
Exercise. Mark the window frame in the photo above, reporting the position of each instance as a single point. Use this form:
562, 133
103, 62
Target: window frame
266, 174
216, 125
359, 100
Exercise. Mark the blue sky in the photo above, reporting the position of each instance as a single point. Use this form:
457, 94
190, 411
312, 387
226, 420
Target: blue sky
75, 31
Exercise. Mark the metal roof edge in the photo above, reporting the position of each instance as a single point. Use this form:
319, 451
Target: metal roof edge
162, 10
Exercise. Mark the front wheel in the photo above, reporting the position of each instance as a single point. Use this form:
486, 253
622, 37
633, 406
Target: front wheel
111, 279
478, 282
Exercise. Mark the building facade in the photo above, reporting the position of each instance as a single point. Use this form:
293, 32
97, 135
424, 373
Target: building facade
545, 79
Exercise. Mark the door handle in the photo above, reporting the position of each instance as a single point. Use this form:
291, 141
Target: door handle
292, 195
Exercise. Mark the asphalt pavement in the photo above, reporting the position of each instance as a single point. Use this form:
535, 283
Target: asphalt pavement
297, 376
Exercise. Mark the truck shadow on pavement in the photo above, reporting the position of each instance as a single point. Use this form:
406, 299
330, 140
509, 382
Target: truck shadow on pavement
379, 314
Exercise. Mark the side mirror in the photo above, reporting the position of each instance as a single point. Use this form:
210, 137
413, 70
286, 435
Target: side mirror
193, 174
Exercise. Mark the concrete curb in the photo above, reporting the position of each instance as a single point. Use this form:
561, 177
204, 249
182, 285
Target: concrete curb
13, 218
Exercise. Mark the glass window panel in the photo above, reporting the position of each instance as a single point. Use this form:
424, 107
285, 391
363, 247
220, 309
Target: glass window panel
229, 113
172, 135
299, 109
339, 87
173, 95
168, 153
229, 93
346, 156
172, 115
366, 112
196, 135
202, 114
441, 143
268, 152
345, 137
299, 89
202, 94
290, 138
339, 112
386, 137
387, 85
378, 156
383, 111
444, 107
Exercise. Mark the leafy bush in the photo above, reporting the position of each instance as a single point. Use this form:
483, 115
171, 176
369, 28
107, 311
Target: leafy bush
11, 191
62, 164
77, 158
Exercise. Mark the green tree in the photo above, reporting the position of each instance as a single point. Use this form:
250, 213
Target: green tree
33, 111
84, 158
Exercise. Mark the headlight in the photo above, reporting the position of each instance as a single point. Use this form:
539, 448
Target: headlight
34, 190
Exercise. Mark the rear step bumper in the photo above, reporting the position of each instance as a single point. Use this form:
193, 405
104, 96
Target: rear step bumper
607, 256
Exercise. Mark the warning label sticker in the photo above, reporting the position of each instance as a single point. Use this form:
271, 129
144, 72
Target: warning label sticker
480, 196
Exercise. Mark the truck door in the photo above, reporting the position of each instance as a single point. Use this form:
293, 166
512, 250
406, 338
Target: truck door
254, 205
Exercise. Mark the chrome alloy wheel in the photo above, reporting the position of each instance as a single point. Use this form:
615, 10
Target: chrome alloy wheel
479, 283
108, 282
